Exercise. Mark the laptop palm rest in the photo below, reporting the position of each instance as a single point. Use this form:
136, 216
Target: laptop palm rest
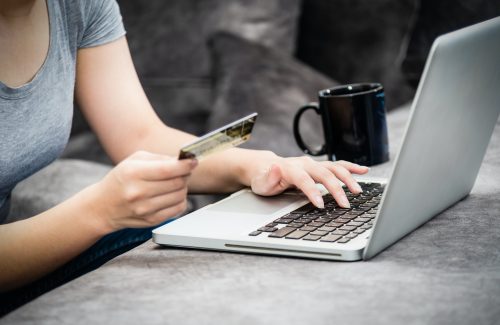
220, 219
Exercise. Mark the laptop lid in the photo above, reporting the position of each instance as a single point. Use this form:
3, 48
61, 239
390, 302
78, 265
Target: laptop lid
453, 116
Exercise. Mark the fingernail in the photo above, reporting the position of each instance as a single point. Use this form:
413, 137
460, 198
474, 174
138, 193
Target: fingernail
344, 202
318, 201
358, 188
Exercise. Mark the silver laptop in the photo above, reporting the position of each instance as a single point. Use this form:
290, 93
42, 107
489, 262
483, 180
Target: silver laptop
452, 118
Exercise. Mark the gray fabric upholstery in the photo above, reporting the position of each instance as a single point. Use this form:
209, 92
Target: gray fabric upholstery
249, 77
445, 272
52, 185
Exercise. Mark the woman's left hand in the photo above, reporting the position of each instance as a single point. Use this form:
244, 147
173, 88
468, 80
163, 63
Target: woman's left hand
276, 174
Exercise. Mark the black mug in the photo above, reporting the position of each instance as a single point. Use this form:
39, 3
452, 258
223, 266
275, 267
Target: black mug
354, 124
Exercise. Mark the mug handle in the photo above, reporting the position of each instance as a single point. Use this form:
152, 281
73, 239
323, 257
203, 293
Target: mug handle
296, 133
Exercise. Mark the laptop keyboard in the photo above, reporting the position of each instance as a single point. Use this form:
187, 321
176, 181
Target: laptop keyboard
331, 224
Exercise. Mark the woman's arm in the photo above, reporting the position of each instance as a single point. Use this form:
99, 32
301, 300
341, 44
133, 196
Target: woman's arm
142, 191
36, 246
113, 101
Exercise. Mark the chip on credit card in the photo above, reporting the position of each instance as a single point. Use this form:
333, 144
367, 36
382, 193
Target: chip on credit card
228, 136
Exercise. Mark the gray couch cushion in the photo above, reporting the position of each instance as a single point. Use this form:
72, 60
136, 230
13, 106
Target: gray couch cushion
52, 185
250, 77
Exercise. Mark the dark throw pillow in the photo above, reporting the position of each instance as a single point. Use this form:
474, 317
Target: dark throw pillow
250, 77
439, 17
357, 41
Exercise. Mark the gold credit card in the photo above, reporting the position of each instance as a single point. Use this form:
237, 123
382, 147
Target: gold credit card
228, 136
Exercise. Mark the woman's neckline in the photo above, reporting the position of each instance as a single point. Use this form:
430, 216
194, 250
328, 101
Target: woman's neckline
23, 90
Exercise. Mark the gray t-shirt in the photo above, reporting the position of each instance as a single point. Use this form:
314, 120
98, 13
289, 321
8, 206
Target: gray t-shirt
35, 119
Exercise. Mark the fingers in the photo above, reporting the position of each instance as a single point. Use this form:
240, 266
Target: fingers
167, 213
343, 175
161, 202
300, 178
330, 174
157, 188
160, 169
353, 168
326, 177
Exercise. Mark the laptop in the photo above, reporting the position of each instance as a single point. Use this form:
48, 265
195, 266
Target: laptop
453, 115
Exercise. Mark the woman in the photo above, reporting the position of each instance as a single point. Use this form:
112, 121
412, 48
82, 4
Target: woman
50, 50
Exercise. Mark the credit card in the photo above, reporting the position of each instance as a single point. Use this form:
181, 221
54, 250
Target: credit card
228, 136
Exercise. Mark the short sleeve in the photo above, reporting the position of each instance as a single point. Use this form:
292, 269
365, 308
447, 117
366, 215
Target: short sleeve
102, 23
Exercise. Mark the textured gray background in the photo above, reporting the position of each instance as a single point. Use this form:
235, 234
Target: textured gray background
445, 272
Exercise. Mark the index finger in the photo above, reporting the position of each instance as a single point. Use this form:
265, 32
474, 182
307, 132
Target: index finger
303, 181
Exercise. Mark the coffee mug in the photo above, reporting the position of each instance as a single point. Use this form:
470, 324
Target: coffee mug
354, 124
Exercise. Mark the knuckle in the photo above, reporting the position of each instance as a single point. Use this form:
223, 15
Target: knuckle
132, 194
303, 179
141, 209
324, 173
141, 152
155, 219
307, 159
129, 171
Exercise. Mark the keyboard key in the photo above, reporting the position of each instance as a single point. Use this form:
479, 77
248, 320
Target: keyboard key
326, 228
342, 220
283, 221
355, 223
362, 219
316, 224
319, 233
267, 229
282, 232
366, 226
304, 209
348, 228
255, 233
368, 205
349, 216
272, 225
297, 234
334, 224
311, 237
351, 235
308, 228
340, 232
330, 238
295, 224
343, 240
359, 231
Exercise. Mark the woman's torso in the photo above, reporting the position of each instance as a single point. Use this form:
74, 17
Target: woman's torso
36, 117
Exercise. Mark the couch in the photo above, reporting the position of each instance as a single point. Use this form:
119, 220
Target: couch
206, 62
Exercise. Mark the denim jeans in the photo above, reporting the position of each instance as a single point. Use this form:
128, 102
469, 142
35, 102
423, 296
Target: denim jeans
104, 250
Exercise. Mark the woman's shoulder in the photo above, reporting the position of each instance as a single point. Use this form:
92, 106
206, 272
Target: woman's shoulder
94, 21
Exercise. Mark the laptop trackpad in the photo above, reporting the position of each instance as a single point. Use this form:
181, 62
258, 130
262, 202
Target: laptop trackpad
248, 202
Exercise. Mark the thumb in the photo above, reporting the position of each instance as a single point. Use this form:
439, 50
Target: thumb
268, 182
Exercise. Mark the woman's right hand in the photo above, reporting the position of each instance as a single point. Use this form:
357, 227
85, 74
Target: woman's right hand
143, 190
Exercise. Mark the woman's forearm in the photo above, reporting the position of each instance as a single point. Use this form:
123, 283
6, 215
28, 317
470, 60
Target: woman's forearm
32, 248
219, 173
